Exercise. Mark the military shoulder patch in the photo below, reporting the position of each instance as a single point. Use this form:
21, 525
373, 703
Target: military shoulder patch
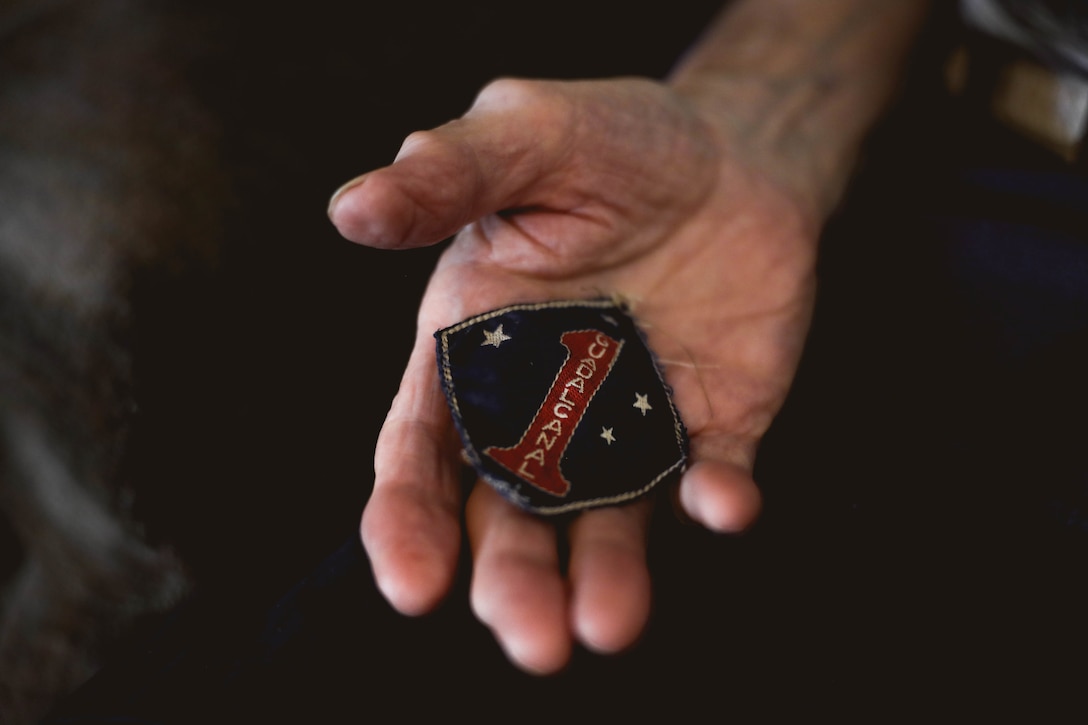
560, 405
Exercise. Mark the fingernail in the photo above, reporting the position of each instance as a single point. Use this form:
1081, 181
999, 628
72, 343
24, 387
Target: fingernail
335, 199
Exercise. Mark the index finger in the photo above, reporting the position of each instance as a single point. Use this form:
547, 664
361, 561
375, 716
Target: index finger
411, 524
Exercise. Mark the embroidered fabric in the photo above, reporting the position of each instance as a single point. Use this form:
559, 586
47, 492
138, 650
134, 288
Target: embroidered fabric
560, 405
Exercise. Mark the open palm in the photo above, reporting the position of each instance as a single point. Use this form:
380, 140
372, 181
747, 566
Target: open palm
573, 191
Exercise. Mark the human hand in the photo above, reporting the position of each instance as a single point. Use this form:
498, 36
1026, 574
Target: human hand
578, 190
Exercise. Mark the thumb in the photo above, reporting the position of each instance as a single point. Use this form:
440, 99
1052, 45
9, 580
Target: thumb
499, 155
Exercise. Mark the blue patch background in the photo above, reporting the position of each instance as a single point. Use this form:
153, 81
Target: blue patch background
496, 392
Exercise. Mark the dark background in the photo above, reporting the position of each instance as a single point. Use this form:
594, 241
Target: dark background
265, 384
921, 548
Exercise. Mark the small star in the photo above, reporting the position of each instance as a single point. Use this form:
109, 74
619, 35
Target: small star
642, 403
495, 338
606, 433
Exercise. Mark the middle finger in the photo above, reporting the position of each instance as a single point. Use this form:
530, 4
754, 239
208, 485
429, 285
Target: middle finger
517, 589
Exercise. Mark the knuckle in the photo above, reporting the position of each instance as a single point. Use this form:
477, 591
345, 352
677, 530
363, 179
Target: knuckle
517, 93
418, 140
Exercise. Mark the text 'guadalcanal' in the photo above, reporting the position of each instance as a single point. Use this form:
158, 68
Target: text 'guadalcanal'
536, 457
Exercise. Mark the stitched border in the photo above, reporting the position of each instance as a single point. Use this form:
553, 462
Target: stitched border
469, 447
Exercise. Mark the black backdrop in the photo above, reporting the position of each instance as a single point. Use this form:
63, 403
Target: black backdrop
878, 581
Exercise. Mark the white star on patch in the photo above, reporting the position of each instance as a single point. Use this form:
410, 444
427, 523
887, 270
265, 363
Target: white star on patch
642, 403
495, 338
606, 433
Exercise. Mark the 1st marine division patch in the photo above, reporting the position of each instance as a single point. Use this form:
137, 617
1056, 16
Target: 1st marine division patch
560, 405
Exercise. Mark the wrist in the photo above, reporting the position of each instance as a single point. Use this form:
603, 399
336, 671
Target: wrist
792, 87
756, 127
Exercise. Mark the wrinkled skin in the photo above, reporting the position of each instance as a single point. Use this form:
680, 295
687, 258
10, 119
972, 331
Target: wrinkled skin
573, 190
